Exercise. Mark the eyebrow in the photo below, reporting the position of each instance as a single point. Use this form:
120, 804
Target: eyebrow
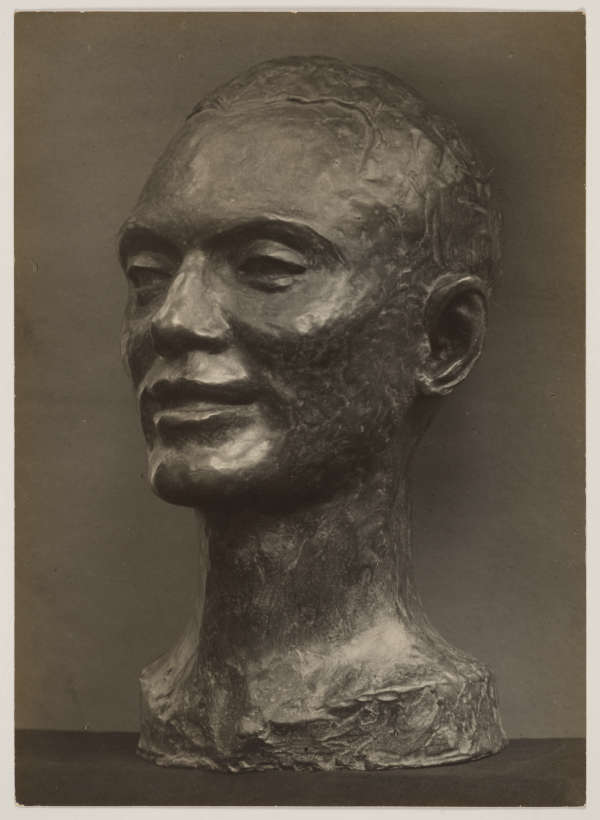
296, 235
134, 237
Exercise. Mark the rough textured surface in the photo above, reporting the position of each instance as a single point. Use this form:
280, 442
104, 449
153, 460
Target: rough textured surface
408, 701
309, 268
430, 723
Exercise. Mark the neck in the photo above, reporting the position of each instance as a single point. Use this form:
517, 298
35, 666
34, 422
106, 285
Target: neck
312, 651
320, 574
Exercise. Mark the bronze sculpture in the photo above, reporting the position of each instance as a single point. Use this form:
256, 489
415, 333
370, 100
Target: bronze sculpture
309, 267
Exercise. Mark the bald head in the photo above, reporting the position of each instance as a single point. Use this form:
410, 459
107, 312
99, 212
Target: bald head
426, 174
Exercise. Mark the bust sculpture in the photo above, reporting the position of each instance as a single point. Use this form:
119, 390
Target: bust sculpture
309, 266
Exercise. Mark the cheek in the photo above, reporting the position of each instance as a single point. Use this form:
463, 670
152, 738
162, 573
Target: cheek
363, 393
317, 300
347, 382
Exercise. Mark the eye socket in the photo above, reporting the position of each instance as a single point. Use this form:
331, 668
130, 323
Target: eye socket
149, 275
148, 283
271, 268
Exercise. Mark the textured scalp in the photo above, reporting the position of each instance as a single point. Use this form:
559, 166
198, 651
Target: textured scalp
461, 225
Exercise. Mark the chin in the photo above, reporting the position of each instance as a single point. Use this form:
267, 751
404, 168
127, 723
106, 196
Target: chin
194, 475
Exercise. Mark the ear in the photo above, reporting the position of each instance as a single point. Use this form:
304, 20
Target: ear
455, 321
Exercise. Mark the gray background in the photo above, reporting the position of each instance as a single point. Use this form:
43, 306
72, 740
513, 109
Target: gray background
106, 571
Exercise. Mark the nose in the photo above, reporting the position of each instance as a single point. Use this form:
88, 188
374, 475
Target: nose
190, 318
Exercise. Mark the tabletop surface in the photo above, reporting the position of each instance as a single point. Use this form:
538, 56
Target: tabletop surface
102, 769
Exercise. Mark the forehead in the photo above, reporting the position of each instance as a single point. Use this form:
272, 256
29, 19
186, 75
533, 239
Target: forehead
319, 163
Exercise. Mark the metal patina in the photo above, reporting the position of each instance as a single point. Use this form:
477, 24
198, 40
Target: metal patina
309, 266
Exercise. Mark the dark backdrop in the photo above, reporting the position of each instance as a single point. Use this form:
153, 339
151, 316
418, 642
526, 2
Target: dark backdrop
106, 571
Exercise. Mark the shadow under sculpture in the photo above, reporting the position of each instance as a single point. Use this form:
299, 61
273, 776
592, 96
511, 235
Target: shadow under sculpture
309, 265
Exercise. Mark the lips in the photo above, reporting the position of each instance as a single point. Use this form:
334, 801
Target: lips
189, 409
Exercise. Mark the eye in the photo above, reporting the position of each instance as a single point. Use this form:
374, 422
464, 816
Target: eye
271, 267
149, 274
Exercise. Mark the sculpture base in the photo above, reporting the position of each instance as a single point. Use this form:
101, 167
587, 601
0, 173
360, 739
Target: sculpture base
437, 722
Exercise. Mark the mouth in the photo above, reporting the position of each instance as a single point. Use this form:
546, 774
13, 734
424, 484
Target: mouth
183, 410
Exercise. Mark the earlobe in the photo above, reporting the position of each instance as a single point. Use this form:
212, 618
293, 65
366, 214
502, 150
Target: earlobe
455, 321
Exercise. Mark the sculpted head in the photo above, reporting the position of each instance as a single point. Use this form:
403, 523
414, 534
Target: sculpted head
309, 265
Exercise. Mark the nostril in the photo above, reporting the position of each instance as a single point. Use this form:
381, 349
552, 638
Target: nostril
171, 337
